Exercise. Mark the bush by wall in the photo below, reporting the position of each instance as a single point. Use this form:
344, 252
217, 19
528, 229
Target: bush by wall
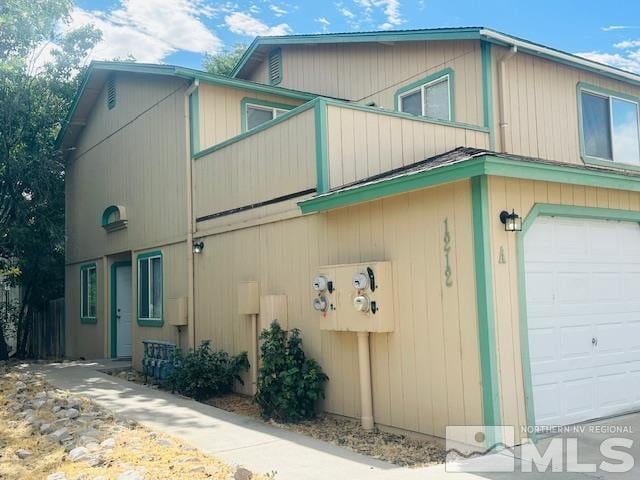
289, 384
204, 373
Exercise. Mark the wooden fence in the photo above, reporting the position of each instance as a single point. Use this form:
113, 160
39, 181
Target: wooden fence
47, 333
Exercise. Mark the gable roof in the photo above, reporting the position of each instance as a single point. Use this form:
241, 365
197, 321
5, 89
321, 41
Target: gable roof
97, 73
260, 47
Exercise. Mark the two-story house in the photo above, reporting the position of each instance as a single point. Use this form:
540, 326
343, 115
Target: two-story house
498, 178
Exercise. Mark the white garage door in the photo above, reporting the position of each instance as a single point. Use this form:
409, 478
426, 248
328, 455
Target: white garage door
583, 313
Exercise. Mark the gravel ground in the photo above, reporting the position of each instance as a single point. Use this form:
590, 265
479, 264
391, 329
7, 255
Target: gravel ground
46, 433
394, 448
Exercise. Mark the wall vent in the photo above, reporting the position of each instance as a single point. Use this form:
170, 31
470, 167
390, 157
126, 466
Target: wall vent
111, 92
275, 66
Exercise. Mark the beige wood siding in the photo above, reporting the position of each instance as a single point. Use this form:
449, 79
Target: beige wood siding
268, 164
522, 195
133, 155
373, 72
426, 373
220, 112
541, 106
84, 339
362, 144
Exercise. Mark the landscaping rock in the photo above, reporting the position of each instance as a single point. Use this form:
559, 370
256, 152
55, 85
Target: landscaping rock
79, 454
57, 476
242, 474
45, 428
20, 386
22, 453
131, 475
60, 435
95, 461
73, 402
108, 443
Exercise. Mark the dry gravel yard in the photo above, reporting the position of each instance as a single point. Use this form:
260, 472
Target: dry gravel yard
398, 449
47, 434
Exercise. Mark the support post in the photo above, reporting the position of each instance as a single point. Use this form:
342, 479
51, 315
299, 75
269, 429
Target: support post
366, 398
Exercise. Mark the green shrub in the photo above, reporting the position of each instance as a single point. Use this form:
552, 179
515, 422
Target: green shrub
289, 385
203, 373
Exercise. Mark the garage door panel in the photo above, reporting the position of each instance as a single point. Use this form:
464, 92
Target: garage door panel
583, 283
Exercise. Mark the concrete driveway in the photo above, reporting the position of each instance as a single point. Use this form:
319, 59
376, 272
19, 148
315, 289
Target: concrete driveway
260, 447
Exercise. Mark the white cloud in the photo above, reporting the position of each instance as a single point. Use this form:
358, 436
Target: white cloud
345, 12
628, 44
325, 24
242, 23
277, 11
149, 30
630, 61
616, 27
390, 9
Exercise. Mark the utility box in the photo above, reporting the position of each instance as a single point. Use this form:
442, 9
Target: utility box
273, 307
248, 298
361, 299
176, 313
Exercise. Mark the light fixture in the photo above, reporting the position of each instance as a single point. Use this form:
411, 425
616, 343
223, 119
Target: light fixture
512, 222
198, 246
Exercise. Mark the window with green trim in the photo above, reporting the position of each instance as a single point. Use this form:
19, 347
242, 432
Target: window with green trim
88, 292
610, 127
259, 114
431, 99
150, 286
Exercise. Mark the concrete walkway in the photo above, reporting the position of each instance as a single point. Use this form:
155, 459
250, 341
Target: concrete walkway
240, 440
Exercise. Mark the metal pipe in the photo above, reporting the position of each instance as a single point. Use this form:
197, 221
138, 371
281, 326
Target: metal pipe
254, 348
366, 398
502, 72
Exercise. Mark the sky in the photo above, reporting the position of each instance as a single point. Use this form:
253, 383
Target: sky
180, 32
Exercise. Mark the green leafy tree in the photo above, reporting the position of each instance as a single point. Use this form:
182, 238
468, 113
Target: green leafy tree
34, 103
223, 63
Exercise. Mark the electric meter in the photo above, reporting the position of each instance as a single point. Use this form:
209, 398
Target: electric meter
320, 304
360, 281
362, 303
320, 283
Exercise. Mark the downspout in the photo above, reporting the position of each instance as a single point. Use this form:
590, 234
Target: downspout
502, 72
190, 224
366, 397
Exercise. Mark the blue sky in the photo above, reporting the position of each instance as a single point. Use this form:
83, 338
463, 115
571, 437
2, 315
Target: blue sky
181, 31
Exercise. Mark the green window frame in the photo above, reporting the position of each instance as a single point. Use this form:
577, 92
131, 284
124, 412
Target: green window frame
274, 66
150, 289
274, 108
88, 293
421, 86
609, 99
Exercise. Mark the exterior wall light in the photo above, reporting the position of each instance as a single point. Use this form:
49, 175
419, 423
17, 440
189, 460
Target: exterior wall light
198, 246
512, 222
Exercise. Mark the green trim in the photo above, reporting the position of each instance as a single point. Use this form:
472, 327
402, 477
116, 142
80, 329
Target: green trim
276, 53
502, 166
149, 322
89, 320
114, 303
322, 156
487, 91
194, 120
484, 300
549, 210
261, 103
447, 72
602, 162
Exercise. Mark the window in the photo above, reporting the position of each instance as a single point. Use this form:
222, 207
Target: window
432, 97
275, 67
257, 115
111, 92
150, 288
610, 127
88, 293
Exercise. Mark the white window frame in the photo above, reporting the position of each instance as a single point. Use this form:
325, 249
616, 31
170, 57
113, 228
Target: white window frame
273, 110
150, 287
422, 89
610, 97
86, 270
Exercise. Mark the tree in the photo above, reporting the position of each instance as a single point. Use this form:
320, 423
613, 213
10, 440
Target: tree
34, 104
223, 63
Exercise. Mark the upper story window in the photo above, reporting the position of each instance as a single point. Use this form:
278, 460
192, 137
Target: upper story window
150, 280
609, 126
88, 293
255, 112
274, 67
431, 97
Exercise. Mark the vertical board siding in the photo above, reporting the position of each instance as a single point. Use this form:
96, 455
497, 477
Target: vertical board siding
362, 144
426, 373
140, 166
373, 72
522, 195
220, 112
269, 164
541, 105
